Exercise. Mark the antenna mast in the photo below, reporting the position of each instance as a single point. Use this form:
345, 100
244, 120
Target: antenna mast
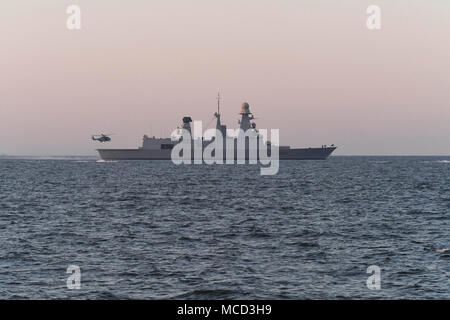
218, 103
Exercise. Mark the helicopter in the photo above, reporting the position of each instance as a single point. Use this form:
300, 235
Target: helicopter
101, 137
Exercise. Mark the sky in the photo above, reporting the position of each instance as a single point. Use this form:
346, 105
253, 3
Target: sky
310, 68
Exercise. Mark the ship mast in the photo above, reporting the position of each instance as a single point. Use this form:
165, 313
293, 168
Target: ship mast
217, 114
219, 126
218, 103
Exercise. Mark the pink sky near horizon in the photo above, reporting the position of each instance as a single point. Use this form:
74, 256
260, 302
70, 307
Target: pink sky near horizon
310, 68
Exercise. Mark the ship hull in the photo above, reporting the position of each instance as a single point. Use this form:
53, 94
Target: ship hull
143, 154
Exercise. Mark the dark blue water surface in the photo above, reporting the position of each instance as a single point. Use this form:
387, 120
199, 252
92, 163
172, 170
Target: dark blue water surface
155, 230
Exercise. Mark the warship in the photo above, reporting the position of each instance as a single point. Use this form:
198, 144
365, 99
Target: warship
161, 148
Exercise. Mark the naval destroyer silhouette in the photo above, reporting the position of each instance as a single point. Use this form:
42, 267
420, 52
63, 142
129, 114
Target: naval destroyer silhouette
161, 148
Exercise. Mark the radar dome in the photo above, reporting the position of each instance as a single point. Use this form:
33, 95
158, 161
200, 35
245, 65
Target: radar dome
245, 108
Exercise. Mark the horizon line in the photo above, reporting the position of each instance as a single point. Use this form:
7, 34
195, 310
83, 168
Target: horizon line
338, 155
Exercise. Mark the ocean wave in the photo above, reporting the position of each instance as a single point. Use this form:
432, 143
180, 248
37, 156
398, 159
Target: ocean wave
207, 294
